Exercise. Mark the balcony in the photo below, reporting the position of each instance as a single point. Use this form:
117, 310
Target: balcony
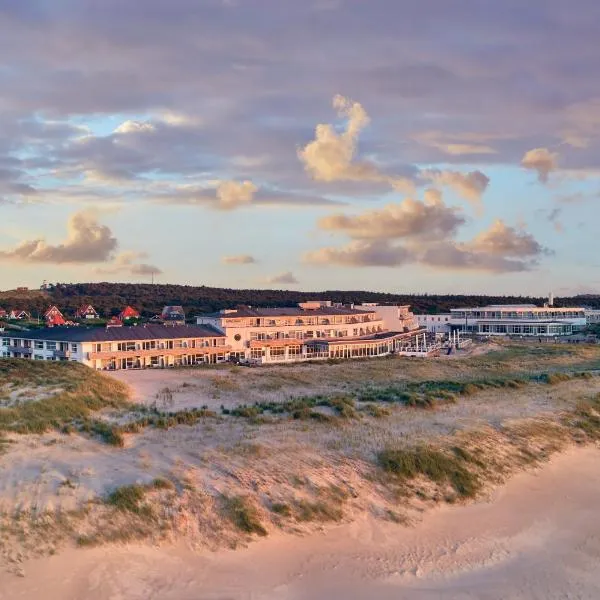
62, 354
20, 349
158, 352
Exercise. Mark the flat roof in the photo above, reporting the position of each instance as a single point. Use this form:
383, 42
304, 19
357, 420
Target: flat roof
110, 334
323, 311
522, 322
497, 307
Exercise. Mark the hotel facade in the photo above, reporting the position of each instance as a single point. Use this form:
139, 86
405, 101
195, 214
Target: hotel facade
115, 348
315, 330
518, 320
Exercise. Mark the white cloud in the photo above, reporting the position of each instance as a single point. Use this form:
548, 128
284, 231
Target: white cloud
542, 161
331, 156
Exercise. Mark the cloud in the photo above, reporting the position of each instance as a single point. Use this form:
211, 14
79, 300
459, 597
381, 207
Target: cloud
128, 263
452, 257
454, 144
470, 186
542, 161
135, 127
229, 195
87, 242
233, 194
282, 278
407, 219
331, 156
502, 240
241, 259
361, 253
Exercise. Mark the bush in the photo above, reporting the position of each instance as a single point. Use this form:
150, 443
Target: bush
129, 498
243, 515
432, 464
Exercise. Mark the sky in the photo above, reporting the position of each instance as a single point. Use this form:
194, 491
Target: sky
441, 146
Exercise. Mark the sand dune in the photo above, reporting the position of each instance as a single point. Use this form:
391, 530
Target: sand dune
538, 537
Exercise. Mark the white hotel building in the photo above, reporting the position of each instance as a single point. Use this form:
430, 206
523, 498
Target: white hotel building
518, 320
315, 330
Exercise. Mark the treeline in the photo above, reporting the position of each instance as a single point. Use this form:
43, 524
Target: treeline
110, 298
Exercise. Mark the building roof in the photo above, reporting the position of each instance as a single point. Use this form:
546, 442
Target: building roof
110, 334
324, 311
518, 307
521, 322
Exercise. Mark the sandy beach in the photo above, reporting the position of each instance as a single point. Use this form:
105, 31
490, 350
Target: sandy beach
536, 537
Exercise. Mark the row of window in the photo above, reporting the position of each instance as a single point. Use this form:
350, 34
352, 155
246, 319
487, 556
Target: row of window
301, 335
561, 314
291, 322
37, 344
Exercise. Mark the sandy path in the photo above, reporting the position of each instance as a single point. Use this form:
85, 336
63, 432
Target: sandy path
539, 537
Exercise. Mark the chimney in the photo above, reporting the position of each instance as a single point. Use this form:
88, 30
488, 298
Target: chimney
550, 299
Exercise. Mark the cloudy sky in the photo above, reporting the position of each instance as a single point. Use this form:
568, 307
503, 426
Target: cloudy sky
395, 145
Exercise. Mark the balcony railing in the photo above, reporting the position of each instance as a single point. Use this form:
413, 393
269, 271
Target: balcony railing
158, 352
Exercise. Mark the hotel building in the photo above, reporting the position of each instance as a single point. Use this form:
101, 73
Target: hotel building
115, 348
518, 320
314, 330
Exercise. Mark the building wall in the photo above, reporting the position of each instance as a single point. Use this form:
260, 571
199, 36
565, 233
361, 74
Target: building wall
435, 323
115, 354
241, 332
592, 317
468, 319
395, 318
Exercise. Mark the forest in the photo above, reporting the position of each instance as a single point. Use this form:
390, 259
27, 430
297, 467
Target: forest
110, 298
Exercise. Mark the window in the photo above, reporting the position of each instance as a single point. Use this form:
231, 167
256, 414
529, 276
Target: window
39, 345
126, 346
73, 347
50, 345
237, 337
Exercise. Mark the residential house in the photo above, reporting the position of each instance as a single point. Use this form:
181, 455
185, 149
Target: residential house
54, 317
129, 313
19, 315
114, 322
173, 315
87, 311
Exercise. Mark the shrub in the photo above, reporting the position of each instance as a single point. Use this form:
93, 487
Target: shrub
129, 498
432, 464
243, 515
281, 508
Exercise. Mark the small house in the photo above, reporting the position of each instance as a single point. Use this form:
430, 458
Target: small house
19, 315
129, 313
114, 322
173, 315
87, 311
54, 317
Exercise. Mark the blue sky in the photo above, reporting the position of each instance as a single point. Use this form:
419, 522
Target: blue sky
432, 146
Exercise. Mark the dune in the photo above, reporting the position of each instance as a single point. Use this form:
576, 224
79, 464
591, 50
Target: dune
536, 537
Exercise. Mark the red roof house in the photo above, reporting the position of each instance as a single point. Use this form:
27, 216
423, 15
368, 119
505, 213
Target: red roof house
87, 311
114, 322
129, 313
54, 317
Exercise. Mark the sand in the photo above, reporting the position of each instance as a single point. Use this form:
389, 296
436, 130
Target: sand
537, 537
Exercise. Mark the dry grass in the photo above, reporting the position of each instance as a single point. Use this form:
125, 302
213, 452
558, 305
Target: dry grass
82, 392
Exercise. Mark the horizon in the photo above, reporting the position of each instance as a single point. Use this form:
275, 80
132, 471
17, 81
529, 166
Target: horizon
210, 143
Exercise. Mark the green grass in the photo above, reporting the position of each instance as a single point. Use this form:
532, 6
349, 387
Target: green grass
129, 498
435, 465
243, 514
